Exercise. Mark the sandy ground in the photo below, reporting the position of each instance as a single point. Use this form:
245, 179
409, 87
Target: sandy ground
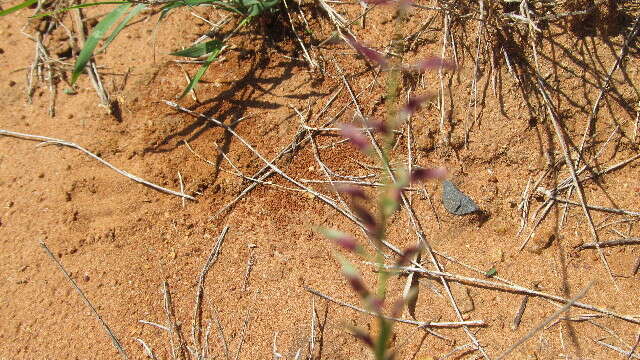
120, 240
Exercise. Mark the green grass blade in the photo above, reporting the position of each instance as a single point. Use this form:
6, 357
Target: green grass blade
18, 7
200, 49
94, 38
136, 10
190, 3
194, 81
80, 7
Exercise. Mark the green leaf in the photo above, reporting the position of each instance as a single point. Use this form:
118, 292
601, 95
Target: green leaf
136, 10
196, 79
199, 49
491, 272
18, 7
80, 7
96, 35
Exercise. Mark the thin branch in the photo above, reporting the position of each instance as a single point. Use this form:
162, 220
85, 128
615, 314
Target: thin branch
421, 324
48, 140
107, 329
567, 158
550, 195
627, 241
548, 320
266, 161
510, 287
196, 328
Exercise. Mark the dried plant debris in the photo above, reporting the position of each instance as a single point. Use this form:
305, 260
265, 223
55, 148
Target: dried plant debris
455, 201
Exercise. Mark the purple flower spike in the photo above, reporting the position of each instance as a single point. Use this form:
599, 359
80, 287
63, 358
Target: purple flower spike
358, 285
376, 303
422, 174
379, 126
407, 255
414, 103
341, 239
351, 190
367, 219
433, 63
355, 137
347, 242
363, 336
369, 53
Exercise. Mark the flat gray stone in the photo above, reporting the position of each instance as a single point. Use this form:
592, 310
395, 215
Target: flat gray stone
455, 201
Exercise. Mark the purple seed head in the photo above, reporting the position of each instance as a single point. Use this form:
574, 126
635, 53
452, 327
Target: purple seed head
367, 52
354, 191
422, 174
355, 137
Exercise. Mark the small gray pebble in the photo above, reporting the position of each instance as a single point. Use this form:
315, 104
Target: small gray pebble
455, 201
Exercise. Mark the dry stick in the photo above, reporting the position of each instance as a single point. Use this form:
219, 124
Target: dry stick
177, 350
609, 331
524, 207
421, 324
591, 207
265, 171
635, 346
623, 52
250, 262
473, 101
615, 348
181, 187
307, 57
566, 206
312, 338
456, 349
417, 226
242, 336
596, 105
325, 169
636, 266
637, 123
566, 183
265, 160
147, 349
204, 350
572, 170
47, 140
225, 346
510, 287
327, 297
627, 241
239, 173
196, 326
513, 287
518, 318
34, 66
161, 327
276, 354
411, 283
91, 68
443, 130
545, 322
353, 182
106, 328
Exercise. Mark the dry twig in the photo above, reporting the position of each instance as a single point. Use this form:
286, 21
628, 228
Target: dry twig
48, 140
107, 329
